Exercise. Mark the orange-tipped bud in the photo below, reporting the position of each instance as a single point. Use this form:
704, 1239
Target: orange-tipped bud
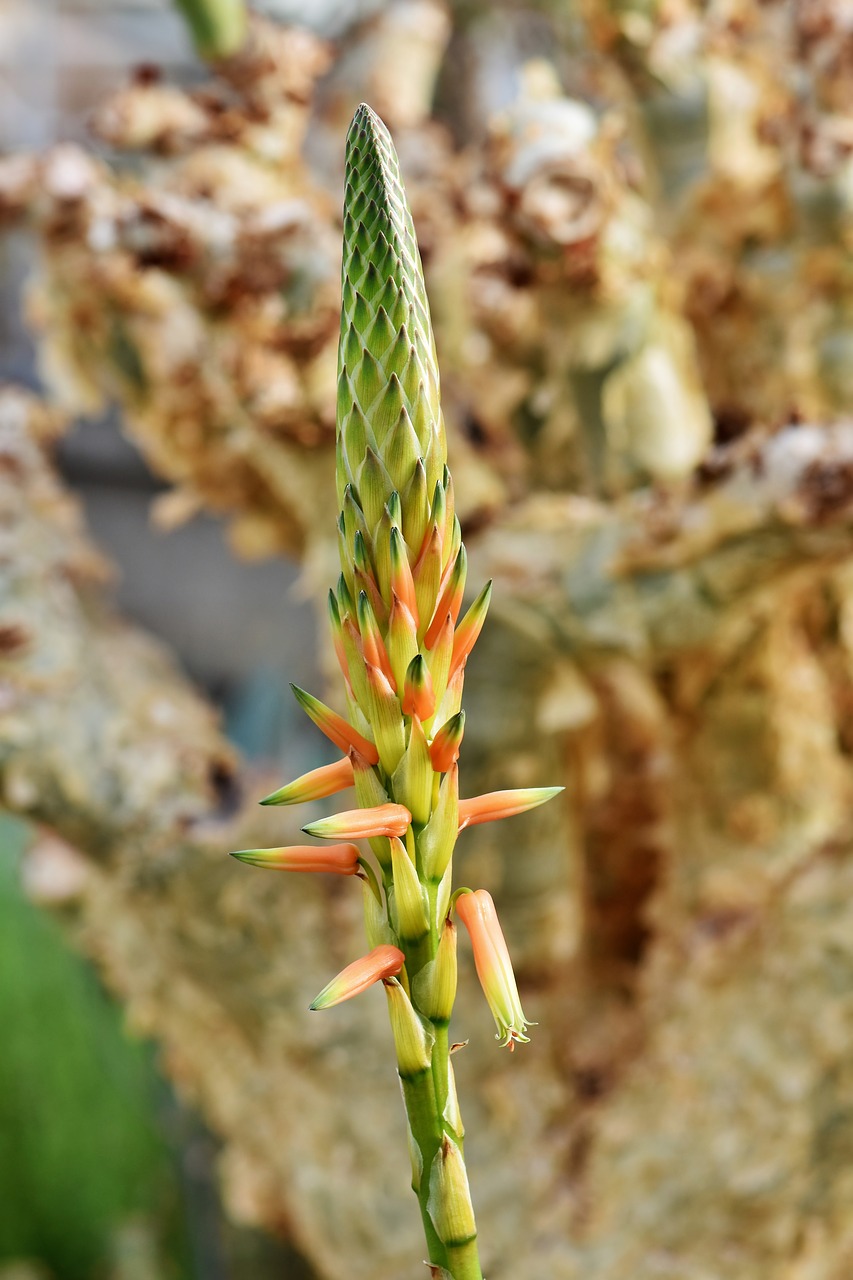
342, 859
382, 962
438, 659
315, 785
371, 638
468, 631
451, 598
402, 639
426, 575
502, 804
494, 967
359, 824
444, 748
418, 693
336, 729
402, 583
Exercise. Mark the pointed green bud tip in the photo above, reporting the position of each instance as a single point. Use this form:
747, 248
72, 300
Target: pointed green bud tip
386, 352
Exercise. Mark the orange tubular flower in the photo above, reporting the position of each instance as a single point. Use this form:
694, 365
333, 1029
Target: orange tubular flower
382, 962
502, 804
359, 824
494, 967
342, 859
335, 727
316, 785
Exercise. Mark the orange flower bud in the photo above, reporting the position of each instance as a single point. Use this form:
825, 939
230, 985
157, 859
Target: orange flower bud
342, 859
336, 729
502, 804
359, 824
315, 785
382, 962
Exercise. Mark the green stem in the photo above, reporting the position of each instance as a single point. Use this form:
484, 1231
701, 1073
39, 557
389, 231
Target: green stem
218, 26
425, 1097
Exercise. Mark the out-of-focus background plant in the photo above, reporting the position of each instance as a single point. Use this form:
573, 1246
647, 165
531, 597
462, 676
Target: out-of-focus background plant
637, 227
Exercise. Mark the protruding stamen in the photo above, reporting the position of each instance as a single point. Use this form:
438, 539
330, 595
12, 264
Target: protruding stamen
445, 746
494, 967
469, 628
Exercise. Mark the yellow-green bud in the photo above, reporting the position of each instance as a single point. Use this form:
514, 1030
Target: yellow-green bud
412, 918
434, 987
410, 1035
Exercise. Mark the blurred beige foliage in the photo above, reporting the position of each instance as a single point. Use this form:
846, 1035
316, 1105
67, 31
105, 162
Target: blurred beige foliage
643, 296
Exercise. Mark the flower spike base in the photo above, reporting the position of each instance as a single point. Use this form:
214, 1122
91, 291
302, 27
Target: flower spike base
402, 654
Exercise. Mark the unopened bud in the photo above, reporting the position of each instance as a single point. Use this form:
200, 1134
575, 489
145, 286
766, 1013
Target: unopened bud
410, 1035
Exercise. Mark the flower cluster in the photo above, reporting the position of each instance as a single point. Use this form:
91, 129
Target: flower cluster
402, 649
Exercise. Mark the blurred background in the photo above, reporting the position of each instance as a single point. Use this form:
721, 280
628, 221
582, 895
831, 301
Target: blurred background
636, 220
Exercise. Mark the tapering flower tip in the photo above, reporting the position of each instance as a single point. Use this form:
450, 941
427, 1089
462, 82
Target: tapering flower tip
371, 638
402, 583
468, 631
335, 728
451, 598
386, 349
341, 859
502, 804
445, 746
359, 824
449, 1203
412, 919
494, 967
382, 962
411, 1040
434, 985
315, 785
418, 693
